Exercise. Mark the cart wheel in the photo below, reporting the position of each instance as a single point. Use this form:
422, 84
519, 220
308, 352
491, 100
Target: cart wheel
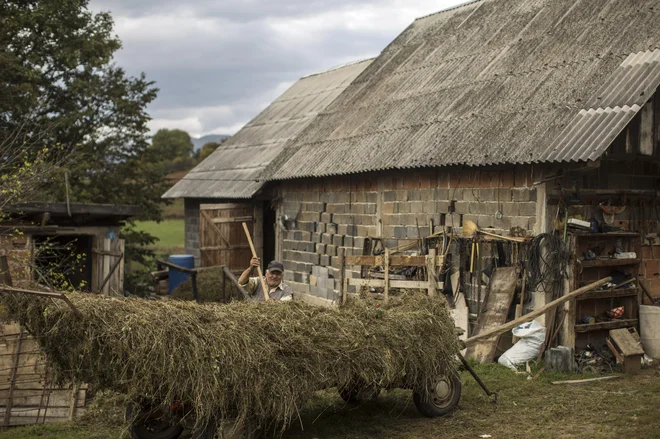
145, 426
210, 431
358, 393
440, 399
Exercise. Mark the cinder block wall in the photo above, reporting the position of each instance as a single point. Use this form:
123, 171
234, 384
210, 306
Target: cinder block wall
191, 215
342, 211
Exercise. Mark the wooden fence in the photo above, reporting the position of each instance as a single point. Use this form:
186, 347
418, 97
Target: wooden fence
27, 396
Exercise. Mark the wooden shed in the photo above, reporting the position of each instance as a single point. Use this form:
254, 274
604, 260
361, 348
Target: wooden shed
39, 236
51, 243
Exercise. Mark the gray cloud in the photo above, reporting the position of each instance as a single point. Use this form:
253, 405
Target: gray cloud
218, 63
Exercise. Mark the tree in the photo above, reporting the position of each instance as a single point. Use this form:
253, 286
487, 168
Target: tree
174, 150
60, 91
208, 149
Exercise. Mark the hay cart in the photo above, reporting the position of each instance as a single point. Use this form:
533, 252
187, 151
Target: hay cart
436, 399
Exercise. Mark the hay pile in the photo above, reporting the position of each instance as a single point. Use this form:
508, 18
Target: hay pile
261, 359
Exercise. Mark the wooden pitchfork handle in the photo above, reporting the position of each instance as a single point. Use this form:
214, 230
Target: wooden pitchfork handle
264, 286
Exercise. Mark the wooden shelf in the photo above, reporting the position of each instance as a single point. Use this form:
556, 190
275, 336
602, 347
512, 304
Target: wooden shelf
608, 294
614, 324
608, 262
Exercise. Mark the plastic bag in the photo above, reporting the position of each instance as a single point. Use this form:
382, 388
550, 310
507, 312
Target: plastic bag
532, 336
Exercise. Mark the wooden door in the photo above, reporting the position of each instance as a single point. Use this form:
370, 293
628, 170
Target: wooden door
221, 236
108, 266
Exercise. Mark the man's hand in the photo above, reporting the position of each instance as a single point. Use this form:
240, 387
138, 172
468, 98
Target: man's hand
254, 262
245, 276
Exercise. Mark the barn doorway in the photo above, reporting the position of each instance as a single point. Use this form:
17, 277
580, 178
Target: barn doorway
269, 232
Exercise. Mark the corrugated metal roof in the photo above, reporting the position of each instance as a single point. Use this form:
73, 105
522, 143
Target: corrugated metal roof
490, 82
233, 170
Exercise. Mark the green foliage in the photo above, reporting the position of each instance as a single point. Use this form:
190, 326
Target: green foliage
60, 91
173, 149
207, 150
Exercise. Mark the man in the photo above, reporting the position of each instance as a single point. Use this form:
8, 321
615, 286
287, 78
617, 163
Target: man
278, 290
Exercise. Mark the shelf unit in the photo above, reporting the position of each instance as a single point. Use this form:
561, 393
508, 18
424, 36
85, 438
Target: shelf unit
595, 304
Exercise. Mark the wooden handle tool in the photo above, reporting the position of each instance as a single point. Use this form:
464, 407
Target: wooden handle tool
264, 286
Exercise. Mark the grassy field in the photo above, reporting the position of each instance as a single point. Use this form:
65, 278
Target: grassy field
626, 407
170, 233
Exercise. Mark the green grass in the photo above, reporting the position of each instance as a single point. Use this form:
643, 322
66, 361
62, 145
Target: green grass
622, 408
64, 431
174, 210
170, 233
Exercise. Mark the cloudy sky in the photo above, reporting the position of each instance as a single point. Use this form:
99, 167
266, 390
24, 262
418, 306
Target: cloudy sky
219, 62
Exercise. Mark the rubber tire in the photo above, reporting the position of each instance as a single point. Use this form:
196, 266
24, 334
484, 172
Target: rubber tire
431, 407
138, 429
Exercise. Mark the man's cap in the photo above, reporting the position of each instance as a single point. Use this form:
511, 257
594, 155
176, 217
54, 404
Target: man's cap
275, 266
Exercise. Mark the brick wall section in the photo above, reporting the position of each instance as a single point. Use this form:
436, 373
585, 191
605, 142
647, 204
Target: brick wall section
342, 211
18, 249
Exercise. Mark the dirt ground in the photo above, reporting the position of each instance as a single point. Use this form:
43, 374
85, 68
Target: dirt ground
626, 407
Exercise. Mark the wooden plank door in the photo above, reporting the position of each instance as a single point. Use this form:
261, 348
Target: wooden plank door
221, 236
108, 266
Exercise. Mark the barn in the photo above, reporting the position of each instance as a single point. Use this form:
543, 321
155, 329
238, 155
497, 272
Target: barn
526, 118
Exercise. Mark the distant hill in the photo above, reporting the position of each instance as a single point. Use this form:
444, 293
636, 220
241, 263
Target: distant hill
199, 142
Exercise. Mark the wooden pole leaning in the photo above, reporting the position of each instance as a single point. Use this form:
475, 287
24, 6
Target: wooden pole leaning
532, 315
264, 286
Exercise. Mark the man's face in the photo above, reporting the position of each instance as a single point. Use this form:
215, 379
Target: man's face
273, 278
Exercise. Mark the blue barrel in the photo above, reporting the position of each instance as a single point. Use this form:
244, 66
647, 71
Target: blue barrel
177, 277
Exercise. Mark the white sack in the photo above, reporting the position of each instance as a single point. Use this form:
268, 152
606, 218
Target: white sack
532, 336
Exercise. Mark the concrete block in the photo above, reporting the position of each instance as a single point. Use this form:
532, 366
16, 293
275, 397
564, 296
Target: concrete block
527, 209
521, 195
442, 194
417, 207
370, 209
338, 240
326, 238
326, 217
297, 277
331, 228
309, 216
504, 195
314, 258
462, 207
325, 260
312, 279
403, 207
510, 209
320, 248
560, 359
400, 232
430, 207
320, 227
316, 237
348, 241
414, 195
389, 196
487, 195
331, 250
